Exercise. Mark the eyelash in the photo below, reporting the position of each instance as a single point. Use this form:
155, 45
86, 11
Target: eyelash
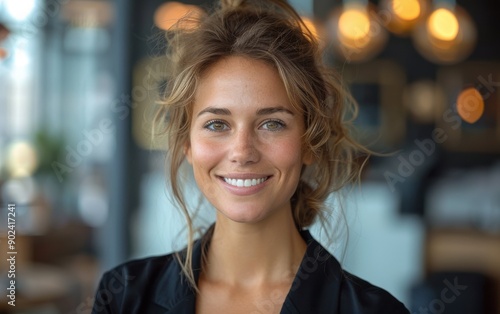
211, 122
280, 123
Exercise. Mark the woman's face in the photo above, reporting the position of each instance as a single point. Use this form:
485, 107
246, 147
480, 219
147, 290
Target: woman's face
245, 140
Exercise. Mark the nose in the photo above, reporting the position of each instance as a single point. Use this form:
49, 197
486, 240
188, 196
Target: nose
243, 149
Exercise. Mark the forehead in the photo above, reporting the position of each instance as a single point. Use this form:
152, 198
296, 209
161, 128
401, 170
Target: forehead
241, 81
240, 68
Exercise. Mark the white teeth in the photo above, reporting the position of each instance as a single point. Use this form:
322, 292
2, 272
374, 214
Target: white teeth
245, 182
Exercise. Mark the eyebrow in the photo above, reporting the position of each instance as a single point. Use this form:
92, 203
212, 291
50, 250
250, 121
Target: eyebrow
270, 110
260, 112
217, 111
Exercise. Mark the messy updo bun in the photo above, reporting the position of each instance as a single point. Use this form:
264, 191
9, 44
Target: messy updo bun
272, 32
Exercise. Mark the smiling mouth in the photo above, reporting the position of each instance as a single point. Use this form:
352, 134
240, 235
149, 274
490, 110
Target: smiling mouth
245, 182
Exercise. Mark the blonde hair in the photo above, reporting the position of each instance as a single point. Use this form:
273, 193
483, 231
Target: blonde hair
272, 32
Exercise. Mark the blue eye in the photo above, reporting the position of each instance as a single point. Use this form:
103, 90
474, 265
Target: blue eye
273, 125
216, 126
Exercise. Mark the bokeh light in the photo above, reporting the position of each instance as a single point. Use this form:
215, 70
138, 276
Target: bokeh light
22, 191
354, 24
422, 99
401, 16
447, 37
310, 26
470, 105
356, 32
19, 10
406, 9
22, 159
175, 15
443, 24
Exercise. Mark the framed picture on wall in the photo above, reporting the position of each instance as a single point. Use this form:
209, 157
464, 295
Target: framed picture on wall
378, 88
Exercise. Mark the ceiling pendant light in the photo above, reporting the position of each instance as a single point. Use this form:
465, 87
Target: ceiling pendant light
356, 31
402, 16
448, 35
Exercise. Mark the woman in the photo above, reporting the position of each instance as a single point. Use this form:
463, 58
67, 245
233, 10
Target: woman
251, 109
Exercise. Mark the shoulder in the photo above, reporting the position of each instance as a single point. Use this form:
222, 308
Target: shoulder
360, 296
326, 285
133, 280
137, 273
144, 266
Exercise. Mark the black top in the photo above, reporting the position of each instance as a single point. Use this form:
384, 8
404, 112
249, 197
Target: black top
158, 285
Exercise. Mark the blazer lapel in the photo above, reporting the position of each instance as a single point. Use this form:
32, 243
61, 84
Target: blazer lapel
318, 274
174, 293
316, 286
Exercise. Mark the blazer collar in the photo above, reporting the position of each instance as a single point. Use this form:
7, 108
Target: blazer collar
316, 285
173, 290
318, 274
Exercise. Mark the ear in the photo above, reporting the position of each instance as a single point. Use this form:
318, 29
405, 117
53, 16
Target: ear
187, 151
308, 158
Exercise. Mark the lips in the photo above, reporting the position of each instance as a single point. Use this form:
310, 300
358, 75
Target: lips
245, 182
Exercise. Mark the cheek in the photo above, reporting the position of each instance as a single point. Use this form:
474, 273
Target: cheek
204, 154
288, 154
205, 157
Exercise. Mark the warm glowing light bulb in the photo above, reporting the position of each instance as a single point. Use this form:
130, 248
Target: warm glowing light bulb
470, 105
354, 24
406, 9
443, 24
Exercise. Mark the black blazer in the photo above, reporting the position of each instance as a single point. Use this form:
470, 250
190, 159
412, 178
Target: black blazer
157, 285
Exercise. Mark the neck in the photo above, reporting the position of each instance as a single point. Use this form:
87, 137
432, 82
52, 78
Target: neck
267, 252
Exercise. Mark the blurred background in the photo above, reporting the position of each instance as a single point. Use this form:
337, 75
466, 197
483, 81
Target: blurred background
78, 84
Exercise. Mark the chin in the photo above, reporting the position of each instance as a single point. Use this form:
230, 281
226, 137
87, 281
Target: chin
244, 215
